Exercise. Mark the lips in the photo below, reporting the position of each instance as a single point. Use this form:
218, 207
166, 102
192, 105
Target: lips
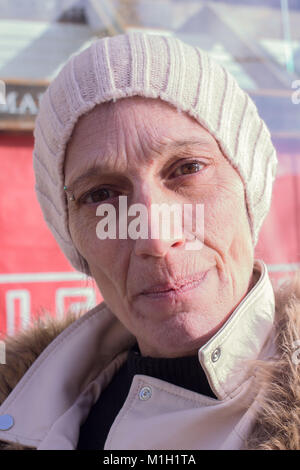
180, 285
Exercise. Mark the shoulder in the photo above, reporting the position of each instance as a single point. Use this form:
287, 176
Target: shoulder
277, 424
287, 313
22, 349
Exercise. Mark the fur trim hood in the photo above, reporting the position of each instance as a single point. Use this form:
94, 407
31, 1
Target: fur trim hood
277, 424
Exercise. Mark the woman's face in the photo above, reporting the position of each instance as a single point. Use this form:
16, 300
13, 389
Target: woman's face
139, 148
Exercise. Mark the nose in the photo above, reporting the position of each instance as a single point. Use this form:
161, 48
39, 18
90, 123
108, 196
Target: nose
157, 248
164, 230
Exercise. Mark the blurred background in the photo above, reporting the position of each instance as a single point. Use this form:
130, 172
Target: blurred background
257, 41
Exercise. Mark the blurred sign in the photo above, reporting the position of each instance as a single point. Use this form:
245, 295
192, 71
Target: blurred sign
35, 277
26, 296
20, 106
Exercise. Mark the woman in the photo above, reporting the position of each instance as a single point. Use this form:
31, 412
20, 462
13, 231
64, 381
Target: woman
189, 347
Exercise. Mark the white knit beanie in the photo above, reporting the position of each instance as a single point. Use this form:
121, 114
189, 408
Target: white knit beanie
153, 66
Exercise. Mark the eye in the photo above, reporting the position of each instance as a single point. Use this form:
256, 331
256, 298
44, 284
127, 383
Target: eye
189, 168
97, 195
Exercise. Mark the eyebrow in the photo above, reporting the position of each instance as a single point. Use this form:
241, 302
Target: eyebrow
164, 149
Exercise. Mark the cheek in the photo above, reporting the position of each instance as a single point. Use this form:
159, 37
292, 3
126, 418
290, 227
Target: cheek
107, 259
101, 255
225, 217
83, 232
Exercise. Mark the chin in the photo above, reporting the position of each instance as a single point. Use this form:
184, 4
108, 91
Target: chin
179, 335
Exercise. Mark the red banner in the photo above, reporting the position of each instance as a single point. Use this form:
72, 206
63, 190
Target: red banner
34, 274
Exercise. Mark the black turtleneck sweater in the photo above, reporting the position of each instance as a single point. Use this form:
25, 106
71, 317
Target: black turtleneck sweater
185, 372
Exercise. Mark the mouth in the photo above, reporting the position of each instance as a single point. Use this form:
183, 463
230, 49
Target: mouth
171, 290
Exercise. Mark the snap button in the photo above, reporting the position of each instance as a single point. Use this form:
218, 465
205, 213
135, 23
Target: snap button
215, 355
6, 422
145, 393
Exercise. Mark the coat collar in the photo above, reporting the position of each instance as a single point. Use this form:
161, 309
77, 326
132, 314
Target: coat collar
241, 339
53, 388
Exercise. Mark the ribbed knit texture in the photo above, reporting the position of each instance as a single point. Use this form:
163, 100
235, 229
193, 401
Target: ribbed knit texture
152, 66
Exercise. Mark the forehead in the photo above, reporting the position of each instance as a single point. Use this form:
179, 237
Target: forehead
132, 130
